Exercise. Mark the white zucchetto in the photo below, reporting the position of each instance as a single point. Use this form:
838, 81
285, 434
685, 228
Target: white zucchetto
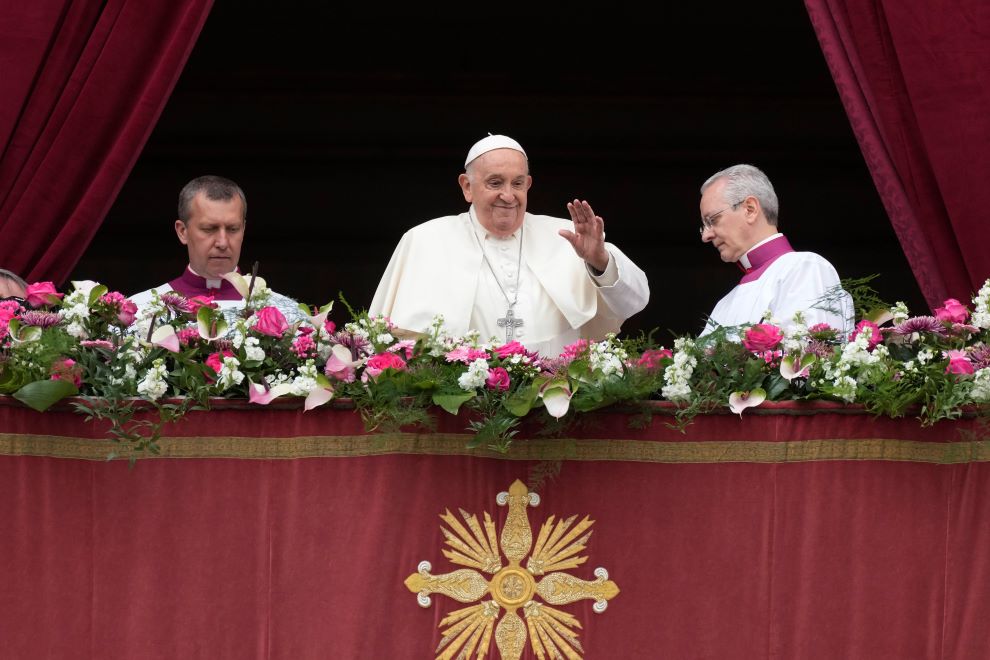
490, 143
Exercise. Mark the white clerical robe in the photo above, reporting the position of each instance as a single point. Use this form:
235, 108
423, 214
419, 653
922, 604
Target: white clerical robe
794, 282
438, 267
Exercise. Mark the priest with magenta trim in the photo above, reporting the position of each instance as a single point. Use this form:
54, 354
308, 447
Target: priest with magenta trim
211, 224
544, 282
739, 218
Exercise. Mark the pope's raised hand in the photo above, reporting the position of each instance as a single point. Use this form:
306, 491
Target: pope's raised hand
588, 237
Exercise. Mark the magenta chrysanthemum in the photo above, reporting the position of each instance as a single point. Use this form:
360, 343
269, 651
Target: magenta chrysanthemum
358, 344
920, 324
41, 319
979, 355
176, 302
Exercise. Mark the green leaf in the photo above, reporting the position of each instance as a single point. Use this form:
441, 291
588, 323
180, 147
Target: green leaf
452, 402
96, 293
777, 385
522, 400
42, 394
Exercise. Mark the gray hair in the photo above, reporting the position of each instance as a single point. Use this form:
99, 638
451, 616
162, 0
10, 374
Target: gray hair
13, 277
216, 188
742, 181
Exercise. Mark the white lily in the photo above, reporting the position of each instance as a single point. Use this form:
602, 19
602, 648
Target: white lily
164, 336
791, 367
739, 401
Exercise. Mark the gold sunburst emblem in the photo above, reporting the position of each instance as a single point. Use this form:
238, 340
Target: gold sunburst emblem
549, 630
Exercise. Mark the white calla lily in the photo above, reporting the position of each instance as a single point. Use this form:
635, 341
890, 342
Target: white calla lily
739, 401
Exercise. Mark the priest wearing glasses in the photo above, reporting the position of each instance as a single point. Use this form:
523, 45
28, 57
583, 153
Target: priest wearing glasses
512, 276
739, 218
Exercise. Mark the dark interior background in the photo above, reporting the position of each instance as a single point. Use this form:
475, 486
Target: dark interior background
346, 127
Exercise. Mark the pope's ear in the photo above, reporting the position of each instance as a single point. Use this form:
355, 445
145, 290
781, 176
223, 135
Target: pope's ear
465, 183
180, 231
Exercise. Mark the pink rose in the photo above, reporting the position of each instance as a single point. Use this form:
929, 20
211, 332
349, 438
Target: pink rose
270, 322
382, 361
498, 379
42, 293
67, 370
958, 362
651, 360
953, 311
329, 326
875, 336
762, 337
215, 360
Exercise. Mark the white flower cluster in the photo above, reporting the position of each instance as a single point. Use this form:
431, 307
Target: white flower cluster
678, 375
253, 352
855, 359
981, 316
475, 376
153, 385
305, 382
229, 374
900, 312
607, 356
75, 310
795, 335
981, 386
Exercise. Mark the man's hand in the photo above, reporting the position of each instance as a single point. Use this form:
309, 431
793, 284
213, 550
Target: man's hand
588, 237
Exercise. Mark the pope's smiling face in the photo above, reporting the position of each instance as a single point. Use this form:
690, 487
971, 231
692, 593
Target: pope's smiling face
497, 184
213, 234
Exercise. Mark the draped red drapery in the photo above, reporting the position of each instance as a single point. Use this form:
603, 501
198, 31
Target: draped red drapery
914, 77
82, 84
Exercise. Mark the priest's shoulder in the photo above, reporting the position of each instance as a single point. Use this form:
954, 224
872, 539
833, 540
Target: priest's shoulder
437, 227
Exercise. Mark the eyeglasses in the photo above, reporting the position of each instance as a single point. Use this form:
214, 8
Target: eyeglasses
709, 221
16, 299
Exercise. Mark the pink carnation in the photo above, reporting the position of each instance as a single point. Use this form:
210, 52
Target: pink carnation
188, 336
875, 336
304, 346
67, 370
215, 360
953, 311
376, 364
270, 322
42, 293
465, 355
8, 311
958, 362
512, 348
571, 351
498, 379
196, 302
651, 360
762, 337
406, 346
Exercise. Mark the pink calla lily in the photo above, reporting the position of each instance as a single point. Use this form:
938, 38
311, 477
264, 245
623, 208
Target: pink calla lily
259, 394
739, 401
164, 336
318, 397
791, 367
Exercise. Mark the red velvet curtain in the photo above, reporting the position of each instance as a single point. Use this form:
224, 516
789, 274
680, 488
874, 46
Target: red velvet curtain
83, 83
914, 76
742, 550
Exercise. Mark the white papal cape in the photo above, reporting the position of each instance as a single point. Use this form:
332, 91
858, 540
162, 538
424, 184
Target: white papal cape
437, 267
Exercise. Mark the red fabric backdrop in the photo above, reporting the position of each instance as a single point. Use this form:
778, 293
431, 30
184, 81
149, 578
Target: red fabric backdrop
306, 557
83, 83
914, 77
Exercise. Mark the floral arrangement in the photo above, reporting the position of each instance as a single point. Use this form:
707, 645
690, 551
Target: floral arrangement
176, 354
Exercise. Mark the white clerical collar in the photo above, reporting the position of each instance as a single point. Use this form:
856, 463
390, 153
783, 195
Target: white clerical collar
484, 234
744, 260
211, 283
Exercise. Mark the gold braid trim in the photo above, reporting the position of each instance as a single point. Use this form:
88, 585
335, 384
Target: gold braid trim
454, 444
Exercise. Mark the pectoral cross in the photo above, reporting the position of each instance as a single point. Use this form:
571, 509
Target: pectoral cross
510, 323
